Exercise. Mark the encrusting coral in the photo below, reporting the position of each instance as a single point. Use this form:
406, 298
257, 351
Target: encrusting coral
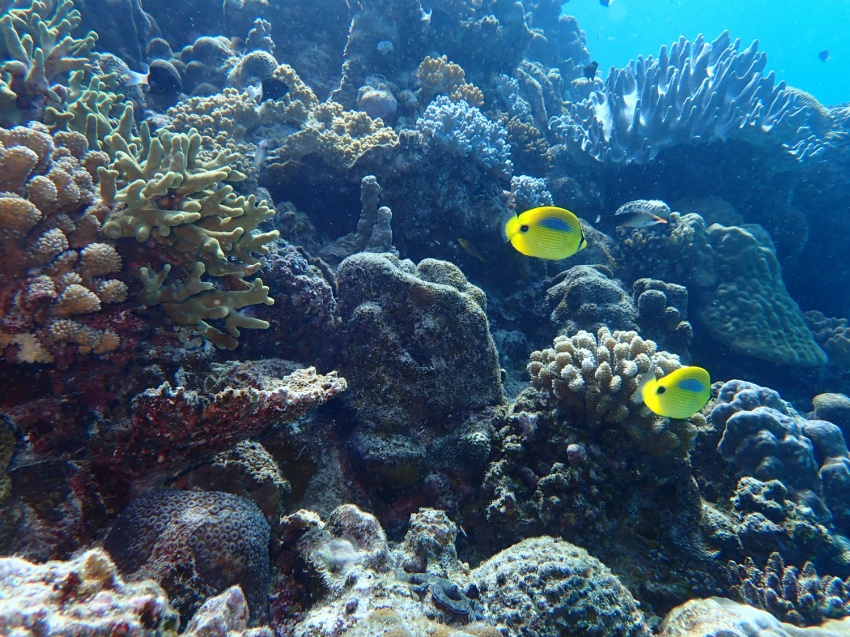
596, 379
55, 275
158, 188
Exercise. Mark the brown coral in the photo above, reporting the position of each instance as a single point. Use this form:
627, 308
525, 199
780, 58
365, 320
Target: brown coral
339, 137
438, 76
54, 268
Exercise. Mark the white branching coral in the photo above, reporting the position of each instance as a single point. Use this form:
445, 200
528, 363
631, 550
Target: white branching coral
596, 380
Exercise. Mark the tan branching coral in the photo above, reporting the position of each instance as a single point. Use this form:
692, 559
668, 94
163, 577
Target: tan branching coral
160, 189
339, 137
438, 76
54, 272
39, 51
595, 379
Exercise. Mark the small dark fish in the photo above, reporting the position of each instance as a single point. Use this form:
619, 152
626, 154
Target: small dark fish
605, 3
471, 249
590, 70
823, 56
274, 89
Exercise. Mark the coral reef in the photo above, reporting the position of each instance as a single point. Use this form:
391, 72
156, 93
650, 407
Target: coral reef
585, 298
768, 440
701, 91
718, 616
832, 334
55, 278
735, 278
195, 544
547, 587
427, 325
338, 137
663, 314
214, 408
374, 231
750, 308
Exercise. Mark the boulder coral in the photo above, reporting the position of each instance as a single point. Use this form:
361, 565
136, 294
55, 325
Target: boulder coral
545, 587
195, 544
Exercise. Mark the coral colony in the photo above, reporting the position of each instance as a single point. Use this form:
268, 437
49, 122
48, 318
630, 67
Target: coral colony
270, 366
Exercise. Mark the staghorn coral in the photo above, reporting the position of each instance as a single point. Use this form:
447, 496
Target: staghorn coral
340, 138
55, 275
83, 597
39, 52
794, 595
166, 193
596, 379
694, 93
195, 544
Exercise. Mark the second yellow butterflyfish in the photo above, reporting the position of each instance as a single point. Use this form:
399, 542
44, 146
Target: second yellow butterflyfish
679, 394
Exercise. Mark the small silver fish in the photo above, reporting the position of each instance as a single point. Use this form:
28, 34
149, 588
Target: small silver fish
642, 213
261, 154
137, 79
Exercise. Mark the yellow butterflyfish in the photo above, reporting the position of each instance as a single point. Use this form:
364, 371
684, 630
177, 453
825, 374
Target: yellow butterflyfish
546, 232
680, 394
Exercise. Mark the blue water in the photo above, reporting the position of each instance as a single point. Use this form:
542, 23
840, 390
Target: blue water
791, 33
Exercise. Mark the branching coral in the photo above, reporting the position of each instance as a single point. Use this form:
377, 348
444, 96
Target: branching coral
795, 595
339, 137
463, 130
159, 188
438, 76
39, 51
55, 274
596, 379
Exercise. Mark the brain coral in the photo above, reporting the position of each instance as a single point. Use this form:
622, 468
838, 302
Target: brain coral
55, 275
195, 544
545, 587
596, 379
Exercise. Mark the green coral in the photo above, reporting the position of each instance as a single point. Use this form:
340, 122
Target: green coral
158, 189
40, 51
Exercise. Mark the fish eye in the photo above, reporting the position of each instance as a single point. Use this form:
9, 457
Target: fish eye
660, 390
523, 228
